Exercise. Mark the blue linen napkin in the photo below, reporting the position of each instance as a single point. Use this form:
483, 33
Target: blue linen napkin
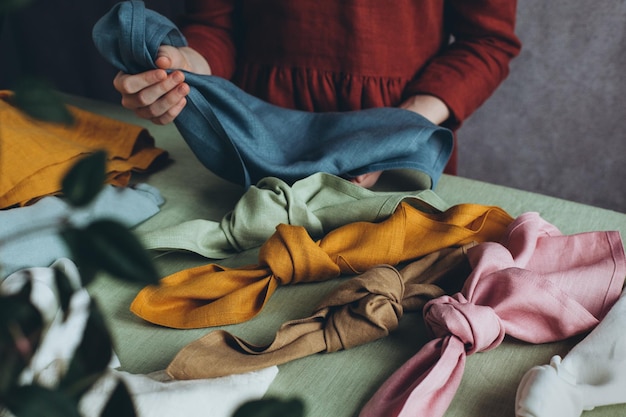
244, 139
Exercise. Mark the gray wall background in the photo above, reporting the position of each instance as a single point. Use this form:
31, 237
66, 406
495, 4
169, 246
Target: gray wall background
557, 125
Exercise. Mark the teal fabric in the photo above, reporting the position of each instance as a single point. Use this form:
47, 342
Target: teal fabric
319, 203
243, 139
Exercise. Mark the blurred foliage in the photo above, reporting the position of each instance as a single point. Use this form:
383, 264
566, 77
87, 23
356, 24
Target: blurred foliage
11, 5
20, 329
85, 179
271, 407
38, 99
101, 246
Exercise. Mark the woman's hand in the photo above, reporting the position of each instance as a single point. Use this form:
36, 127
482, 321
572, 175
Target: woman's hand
156, 95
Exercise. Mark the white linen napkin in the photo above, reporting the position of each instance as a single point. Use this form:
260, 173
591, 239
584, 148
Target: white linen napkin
592, 374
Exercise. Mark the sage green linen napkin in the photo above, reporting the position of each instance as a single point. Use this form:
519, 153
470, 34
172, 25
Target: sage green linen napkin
320, 203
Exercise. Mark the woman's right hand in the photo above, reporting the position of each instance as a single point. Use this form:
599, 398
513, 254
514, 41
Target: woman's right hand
156, 95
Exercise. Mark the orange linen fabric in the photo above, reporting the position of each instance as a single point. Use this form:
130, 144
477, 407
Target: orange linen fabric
35, 155
213, 295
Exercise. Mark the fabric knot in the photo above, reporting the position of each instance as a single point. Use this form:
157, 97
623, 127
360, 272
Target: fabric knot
366, 308
478, 327
293, 257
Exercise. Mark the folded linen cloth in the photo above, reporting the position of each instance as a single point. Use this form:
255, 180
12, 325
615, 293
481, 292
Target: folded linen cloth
243, 139
153, 394
156, 394
213, 295
362, 309
536, 285
592, 374
319, 203
26, 240
36, 155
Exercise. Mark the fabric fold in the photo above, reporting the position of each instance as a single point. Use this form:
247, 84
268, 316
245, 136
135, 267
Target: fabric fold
36, 155
156, 394
365, 308
244, 139
319, 203
24, 248
537, 286
213, 295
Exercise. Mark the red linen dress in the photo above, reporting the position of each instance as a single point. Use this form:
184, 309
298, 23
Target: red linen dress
340, 55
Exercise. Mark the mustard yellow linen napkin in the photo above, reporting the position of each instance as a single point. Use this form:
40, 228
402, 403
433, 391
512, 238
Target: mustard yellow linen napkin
213, 295
35, 155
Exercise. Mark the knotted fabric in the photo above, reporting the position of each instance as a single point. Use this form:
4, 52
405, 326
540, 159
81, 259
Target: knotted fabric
36, 155
213, 295
243, 139
536, 285
319, 203
363, 309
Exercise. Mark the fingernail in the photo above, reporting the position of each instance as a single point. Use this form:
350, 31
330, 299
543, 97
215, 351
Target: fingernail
178, 76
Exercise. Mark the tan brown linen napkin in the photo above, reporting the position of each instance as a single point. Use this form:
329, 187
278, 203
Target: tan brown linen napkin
363, 309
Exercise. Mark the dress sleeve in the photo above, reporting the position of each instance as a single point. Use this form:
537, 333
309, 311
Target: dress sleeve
208, 27
476, 61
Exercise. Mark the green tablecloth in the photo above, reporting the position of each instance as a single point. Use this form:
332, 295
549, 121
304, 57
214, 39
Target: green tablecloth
337, 384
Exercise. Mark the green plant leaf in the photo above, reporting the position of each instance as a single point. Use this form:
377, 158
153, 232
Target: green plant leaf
21, 327
36, 97
109, 246
91, 357
120, 403
85, 179
10, 5
35, 400
271, 407
79, 246
11, 366
64, 290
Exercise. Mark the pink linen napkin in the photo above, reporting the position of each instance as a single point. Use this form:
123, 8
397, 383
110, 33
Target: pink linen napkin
536, 285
